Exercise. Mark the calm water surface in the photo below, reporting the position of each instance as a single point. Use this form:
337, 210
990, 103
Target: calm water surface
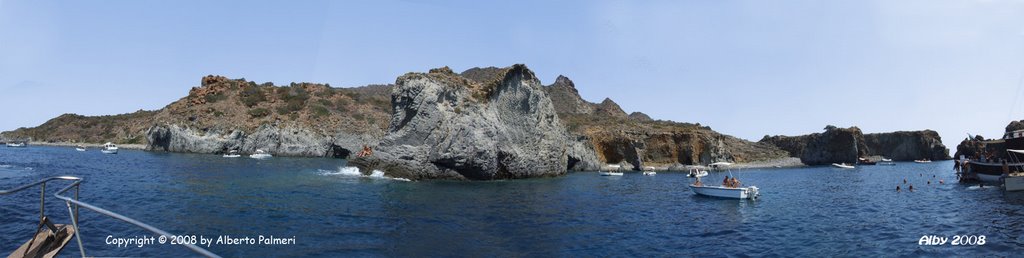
817, 211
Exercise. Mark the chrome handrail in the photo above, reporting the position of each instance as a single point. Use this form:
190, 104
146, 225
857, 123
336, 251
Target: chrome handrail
74, 213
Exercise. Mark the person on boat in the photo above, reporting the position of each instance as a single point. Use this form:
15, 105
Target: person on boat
735, 182
1006, 169
697, 182
725, 182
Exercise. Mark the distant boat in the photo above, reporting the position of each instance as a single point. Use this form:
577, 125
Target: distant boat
109, 148
80, 148
922, 161
610, 173
16, 144
864, 161
842, 165
650, 173
697, 173
886, 160
232, 154
260, 154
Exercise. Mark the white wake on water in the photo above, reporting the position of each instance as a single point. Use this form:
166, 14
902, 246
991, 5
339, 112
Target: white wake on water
354, 172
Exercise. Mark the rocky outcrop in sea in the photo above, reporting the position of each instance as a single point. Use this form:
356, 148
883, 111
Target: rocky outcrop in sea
446, 126
846, 145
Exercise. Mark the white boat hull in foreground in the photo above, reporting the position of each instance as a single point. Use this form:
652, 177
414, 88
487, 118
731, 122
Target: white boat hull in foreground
750, 192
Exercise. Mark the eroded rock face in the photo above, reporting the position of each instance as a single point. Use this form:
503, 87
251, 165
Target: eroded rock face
907, 145
845, 145
445, 126
288, 140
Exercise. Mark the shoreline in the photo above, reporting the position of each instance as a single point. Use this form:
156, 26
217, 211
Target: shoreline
788, 162
88, 145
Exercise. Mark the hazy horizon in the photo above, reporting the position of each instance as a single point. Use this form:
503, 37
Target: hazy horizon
744, 68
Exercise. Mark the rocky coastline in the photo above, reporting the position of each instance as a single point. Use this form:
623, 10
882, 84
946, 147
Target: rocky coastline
481, 124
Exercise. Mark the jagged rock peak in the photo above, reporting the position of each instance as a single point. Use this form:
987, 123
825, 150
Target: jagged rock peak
639, 116
482, 75
610, 108
212, 79
1015, 125
564, 81
443, 70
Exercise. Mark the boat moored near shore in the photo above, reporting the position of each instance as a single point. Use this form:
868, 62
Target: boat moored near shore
843, 165
109, 148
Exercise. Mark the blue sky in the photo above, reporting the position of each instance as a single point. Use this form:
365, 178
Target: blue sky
746, 68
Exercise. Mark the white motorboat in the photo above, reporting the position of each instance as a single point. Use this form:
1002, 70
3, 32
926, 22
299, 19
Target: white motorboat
260, 154
16, 144
80, 148
650, 173
610, 173
922, 161
109, 148
886, 160
232, 154
842, 165
749, 192
697, 173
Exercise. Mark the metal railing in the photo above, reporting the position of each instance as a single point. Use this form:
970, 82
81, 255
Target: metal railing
73, 211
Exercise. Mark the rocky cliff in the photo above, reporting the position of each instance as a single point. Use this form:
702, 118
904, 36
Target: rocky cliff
301, 119
445, 126
846, 145
638, 141
907, 145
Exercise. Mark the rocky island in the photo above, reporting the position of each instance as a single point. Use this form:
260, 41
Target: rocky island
481, 124
846, 145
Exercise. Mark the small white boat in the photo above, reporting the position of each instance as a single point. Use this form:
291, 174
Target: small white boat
842, 165
650, 173
886, 160
697, 173
749, 192
80, 148
109, 148
232, 154
16, 144
610, 173
260, 154
922, 161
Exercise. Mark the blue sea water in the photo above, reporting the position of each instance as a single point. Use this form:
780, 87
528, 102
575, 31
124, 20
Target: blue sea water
817, 211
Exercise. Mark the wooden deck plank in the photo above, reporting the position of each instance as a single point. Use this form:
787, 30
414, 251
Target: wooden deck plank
43, 245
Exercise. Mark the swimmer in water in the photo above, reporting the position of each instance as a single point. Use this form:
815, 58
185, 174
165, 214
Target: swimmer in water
941, 182
904, 180
910, 188
929, 182
897, 188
